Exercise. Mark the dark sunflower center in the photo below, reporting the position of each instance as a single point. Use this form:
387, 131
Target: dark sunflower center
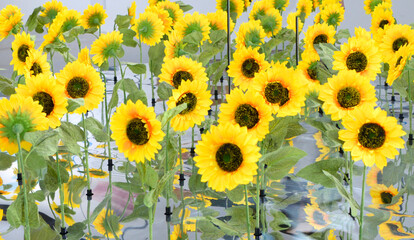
276, 93
394, 230
229, 157
46, 101
77, 87
371, 135
399, 43
250, 67
137, 132
180, 76
191, 101
383, 23
313, 73
23, 52
246, 116
35, 69
356, 61
348, 97
386, 197
320, 39
398, 61
318, 218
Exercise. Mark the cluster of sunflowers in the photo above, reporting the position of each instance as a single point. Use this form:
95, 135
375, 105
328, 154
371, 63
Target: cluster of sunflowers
246, 145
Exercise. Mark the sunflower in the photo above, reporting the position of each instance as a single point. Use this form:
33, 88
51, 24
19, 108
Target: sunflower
236, 7
394, 38
175, 70
94, 16
83, 56
247, 110
66, 20
382, 194
318, 18
163, 15
44, 89
107, 224
51, 10
381, 18
370, 5
333, 14
82, 81
68, 213
136, 131
195, 94
19, 113
177, 234
154, 2
216, 21
251, 34
97, 173
36, 63
309, 69
193, 23
291, 22
132, 12
283, 90
362, 34
372, 136
173, 46
317, 218
374, 176
345, 93
247, 4
149, 28
106, 46
52, 35
331, 235
72, 191
173, 10
10, 21
319, 33
393, 230
280, 5
227, 156
398, 62
259, 9
247, 62
271, 21
361, 56
21, 46
304, 7
324, 150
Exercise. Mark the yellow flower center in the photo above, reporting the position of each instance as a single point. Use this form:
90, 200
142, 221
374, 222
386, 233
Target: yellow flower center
357, 61
277, 94
250, 67
229, 157
77, 87
46, 101
136, 132
246, 116
191, 101
348, 97
371, 135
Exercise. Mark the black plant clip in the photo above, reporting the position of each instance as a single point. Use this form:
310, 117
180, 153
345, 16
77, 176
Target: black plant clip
257, 233
209, 112
410, 139
216, 94
192, 152
115, 79
262, 196
153, 102
20, 179
110, 165
168, 214
392, 99
182, 179
221, 79
201, 130
320, 111
63, 232
89, 194
341, 152
401, 118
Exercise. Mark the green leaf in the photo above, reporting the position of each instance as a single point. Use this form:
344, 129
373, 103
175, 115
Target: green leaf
39, 196
76, 186
170, 113
151, 177
342, 34
76, 231
164, 91
217, 36
123, 21
237, 194
43, 232
6, 86
15, 212
225, 227
74, 104
156, 55
70, 134
128, 37
280, 221
219, 72
35, 161
283, 155
184, 7
193, 38
294, 129
44, 142
74, 32
32, 20
51, 178
96, 128
209, 230
195, 184
6, 161
137, 68
331, 138
207, 54
98, 209
314, 171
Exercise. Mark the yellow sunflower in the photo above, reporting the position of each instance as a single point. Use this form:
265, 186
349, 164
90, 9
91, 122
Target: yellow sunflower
36, 63
398, 62
175, 70
149, 28
317, 218
247, 4
104, 224
372, 136
136, 131
382, 194
52, 8
197, 97
94, 16
82, 81
362, 34
247, 110
66, 20
319, 33
374, 176
318, 18
304, 7
251, 34
52, 35
21, 46
345, 93
236, 7
324, 150
227, 156
19, 113
280, 5
291, 22
247, 62
381, 18
177, 234
106, 46
154, 2
132, 12
393, 230
394, 38
333, 14
270, 20
68, 212
193, 23
163, 15
216, 21
173, 46
259, 9
97, 173
83, 56
361, 56
10, 21
309, 69
283, 90
173, 10
44, 89
370, 5
72, 191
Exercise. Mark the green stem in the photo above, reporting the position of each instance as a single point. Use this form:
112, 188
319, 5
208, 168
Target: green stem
258, 197
165, 172
361, 215
26, 201
351, 173
140, 60
410, 102
61, 193
181, 187
79, 43
216, 103
151, 221
51, 62
85, 143
246, 197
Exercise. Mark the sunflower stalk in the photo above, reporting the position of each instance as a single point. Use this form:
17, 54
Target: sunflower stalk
86, 166
167, 193
181, 185
140, 60
61, 193
246, 198
361, 215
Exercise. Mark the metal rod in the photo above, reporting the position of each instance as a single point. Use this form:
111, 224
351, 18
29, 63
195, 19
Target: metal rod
228, 42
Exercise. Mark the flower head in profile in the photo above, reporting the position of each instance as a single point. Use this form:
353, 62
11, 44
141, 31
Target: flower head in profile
371, 5
106, 46
291, 22
236, 7
10, 21
176, 70
382, 197
132, 12
193, 23
280, 5
149, 28
52, 8
107, 223
173, 9
216, 21
251, 34
333, 14
94, 16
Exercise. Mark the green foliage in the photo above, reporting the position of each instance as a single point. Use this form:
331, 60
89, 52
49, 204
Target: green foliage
184, 7
156, 55
280, 221
137, 68
71, 134
45, 143
32, 20
314, 171
51, 177
237, 194
96, 128
6, 161
342, 34
6, 86
15, 212
164, 91
73, 33
76, 231
74, 104
170, 113
128, 37
280, 162
122, 21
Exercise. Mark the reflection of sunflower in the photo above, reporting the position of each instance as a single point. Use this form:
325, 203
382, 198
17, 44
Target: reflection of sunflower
381, 18
283, 90
21, 46
317, 218
132, 12
393, 230
68, 212
247, 62
394, 38
94, 16
370, 5
97, 173
372, 136
324, 150
36, 63
319, 33
72, 191
345, 93
374, 176
251, 34
106, 46
149, 28
177, 234
246, 110
309, 69
52, 8
175, 70
291, 22
216, 21
173, 46
163, 15
279, 4
108, 224
82, 81
173, 10
361, 56
44, 89
136, 131
226, 157
10, 21
19, 112
236, 7
398, 62
195, 94
193, 23
333, 14
382, 194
